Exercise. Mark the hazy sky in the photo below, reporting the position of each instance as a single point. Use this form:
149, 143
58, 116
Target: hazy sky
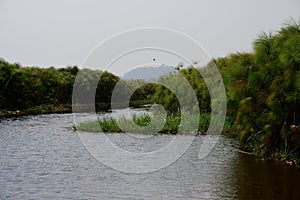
63, 32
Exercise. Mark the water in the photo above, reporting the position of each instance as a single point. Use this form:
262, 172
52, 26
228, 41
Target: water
42, 158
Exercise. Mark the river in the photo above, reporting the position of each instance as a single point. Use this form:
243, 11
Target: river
43, 158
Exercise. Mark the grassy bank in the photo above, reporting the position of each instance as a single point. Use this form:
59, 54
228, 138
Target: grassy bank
147, 124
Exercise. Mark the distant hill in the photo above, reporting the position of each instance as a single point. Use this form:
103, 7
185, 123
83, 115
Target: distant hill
148, 73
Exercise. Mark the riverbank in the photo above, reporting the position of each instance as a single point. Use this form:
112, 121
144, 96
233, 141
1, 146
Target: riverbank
42, 109
64, 108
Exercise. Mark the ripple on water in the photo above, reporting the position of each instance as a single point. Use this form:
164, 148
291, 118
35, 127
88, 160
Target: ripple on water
41, 158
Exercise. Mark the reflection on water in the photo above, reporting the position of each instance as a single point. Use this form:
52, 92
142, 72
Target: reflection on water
41, 158
266, 180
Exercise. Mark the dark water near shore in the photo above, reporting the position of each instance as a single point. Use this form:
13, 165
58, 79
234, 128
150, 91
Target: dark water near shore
42, 158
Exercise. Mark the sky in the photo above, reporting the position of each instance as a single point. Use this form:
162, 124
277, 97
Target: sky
64, 32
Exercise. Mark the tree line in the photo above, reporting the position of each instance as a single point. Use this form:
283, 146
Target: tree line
28, 87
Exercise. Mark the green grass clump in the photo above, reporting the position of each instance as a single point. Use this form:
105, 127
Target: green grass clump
142, 120
89, 126
108, 125
172, 124
145, 123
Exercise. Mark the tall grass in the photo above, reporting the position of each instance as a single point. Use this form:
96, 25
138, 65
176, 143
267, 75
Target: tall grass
148, 124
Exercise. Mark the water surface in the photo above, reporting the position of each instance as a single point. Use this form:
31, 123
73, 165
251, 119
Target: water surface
42, 158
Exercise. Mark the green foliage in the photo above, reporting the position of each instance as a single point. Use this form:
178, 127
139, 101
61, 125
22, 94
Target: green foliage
107, 125
143, 124
263, 93
27, 87
166, 97
142, 120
